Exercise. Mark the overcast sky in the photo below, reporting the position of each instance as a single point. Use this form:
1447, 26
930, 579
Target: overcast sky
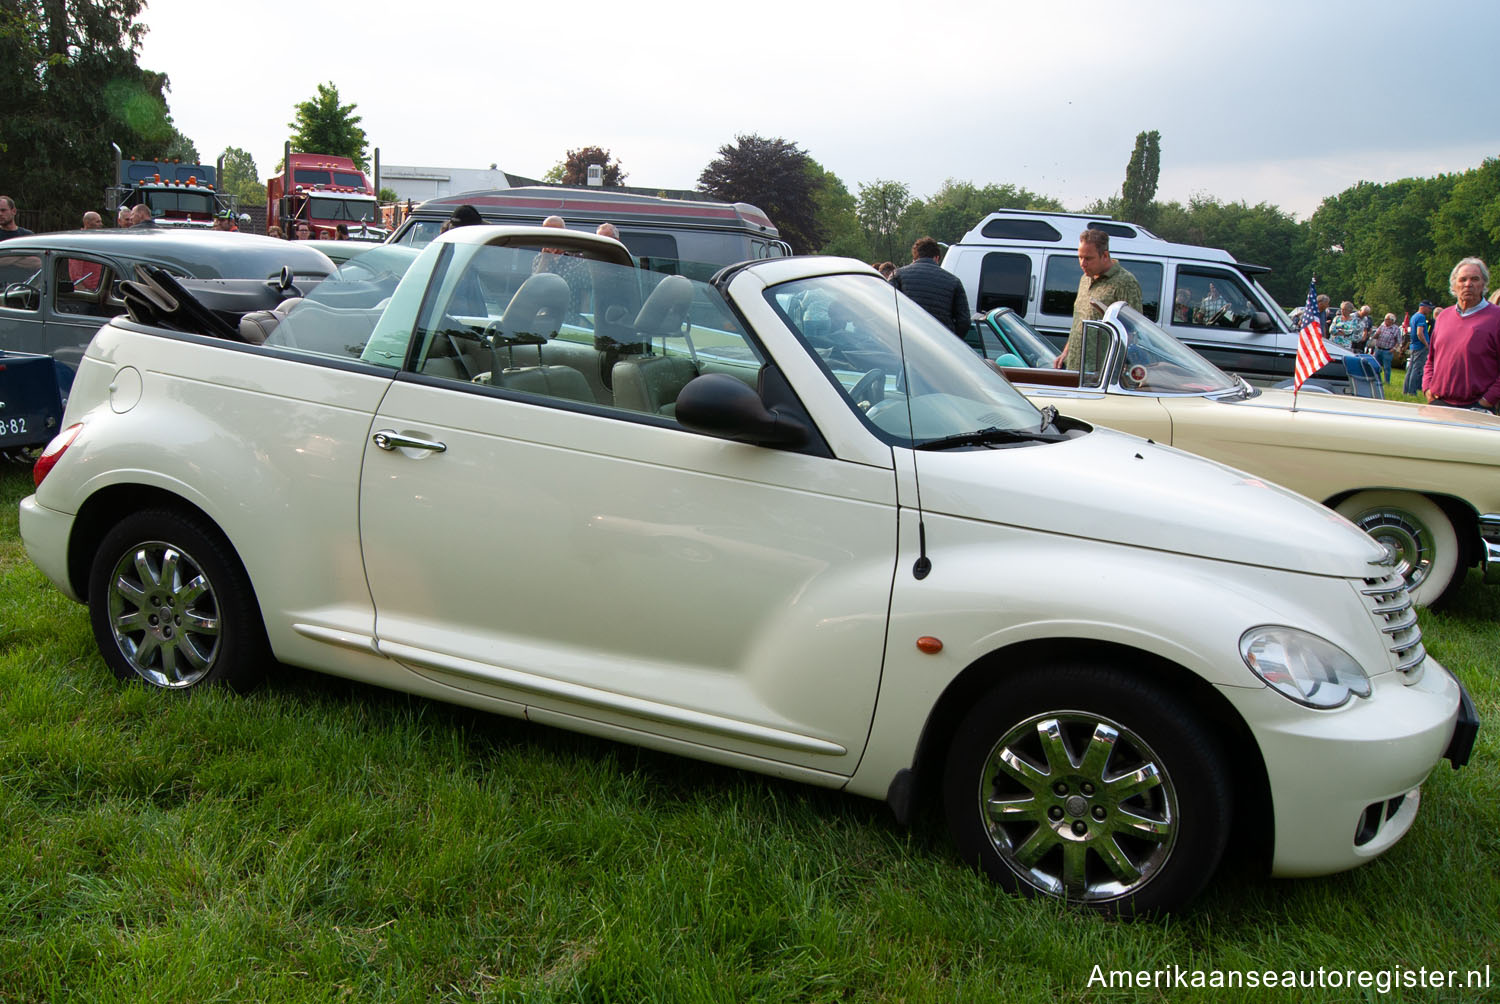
1273, 101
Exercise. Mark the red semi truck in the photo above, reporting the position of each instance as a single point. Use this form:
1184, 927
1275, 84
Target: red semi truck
323, 191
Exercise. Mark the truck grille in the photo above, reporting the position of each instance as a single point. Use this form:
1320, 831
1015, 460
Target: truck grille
1390, 606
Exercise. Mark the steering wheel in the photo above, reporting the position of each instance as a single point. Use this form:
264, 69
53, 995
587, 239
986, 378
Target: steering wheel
870, 390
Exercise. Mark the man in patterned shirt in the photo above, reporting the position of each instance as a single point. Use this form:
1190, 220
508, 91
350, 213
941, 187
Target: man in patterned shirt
1104, 281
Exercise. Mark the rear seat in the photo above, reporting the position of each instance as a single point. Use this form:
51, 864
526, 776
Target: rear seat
584, 361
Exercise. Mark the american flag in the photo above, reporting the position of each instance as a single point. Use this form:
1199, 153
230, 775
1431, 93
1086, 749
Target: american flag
1312, 354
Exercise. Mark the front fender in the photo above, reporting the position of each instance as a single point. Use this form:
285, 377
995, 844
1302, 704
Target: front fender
994, 589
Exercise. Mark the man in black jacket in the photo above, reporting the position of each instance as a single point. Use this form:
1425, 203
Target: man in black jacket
938, 292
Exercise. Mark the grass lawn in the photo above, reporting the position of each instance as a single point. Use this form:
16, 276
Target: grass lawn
318, 840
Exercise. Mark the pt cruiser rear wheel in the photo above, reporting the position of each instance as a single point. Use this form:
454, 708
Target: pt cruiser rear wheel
1087, 784
171, 606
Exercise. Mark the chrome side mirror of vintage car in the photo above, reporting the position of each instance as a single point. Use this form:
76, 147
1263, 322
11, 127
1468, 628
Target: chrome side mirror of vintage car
717, 404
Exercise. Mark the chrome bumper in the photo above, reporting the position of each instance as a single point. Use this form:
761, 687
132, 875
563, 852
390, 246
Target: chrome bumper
1489, 548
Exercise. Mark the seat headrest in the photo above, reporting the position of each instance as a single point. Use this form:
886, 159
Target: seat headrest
538, 306
666, 308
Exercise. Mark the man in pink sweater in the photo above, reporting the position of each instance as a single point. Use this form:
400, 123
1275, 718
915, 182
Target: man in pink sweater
1463, 366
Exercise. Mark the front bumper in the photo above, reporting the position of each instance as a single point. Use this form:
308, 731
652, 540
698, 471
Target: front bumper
1345, 784
1489, 548
45, 533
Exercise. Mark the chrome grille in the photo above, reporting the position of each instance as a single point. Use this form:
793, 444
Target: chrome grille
1389, 603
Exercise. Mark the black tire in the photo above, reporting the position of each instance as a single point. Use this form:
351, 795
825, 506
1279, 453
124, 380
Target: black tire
1048, 789
171, 605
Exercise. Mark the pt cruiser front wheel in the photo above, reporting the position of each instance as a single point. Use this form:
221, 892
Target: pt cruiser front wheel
1087, 784
171, 606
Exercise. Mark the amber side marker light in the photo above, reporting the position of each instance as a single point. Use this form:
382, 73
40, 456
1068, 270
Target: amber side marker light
53, 453
928, 644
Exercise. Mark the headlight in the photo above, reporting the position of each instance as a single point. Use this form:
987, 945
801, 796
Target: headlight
1302, 666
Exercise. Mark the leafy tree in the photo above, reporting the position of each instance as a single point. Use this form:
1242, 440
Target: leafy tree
322, 125
1465, 222
1140, 177
1261, 235
956, 207
773, 175
836, 214
387, 195
69, 85
1392, 245
241, 178
179, 147
574, 168
881, 206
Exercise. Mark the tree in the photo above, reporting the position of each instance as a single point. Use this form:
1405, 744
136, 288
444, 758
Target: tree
574, 168
1261, 235
773, 175
69, 85
322, 125
1140, 177
837, 216
1464, 222
881, 205
241, 178
959, 205
179, 147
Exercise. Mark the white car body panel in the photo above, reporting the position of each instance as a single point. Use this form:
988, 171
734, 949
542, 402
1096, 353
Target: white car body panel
748, 605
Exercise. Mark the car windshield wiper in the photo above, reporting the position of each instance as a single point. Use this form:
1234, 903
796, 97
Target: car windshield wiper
1049, 416
989, 436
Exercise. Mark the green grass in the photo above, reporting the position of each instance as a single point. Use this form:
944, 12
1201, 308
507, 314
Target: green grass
318, 840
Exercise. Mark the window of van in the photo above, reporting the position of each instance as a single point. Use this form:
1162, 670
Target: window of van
1207, 298
1021, 230
1004, 281
1060, 287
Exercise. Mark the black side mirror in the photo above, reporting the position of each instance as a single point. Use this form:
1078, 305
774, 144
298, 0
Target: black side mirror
717, 404
1261, 321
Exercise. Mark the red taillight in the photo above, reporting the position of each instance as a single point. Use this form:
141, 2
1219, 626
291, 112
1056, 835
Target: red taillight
54, 451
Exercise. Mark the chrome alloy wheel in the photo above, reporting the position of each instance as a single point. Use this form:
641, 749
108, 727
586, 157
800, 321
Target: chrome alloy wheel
1408, 539
1078, 806
164, 615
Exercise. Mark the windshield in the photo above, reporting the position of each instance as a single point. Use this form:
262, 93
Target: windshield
1157, 363
162, 202
343, 210
897, 366
1266, 297
1010, 341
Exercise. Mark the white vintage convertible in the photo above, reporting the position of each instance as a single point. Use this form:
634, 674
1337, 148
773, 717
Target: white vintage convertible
782, 520
1422, 479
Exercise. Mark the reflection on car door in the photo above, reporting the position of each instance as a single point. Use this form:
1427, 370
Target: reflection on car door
623, 572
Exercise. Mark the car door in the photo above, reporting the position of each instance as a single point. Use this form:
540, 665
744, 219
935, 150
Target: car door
605, 567
80, 298
21, 298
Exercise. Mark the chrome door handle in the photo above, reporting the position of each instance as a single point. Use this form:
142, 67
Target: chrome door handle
388, 439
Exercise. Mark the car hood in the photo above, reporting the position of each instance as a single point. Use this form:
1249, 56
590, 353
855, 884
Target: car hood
1109, 486
1369, 407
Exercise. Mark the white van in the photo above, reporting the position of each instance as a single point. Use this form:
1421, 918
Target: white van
1028, 261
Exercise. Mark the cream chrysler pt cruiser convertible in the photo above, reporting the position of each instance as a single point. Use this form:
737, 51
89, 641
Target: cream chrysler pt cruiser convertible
782, 520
